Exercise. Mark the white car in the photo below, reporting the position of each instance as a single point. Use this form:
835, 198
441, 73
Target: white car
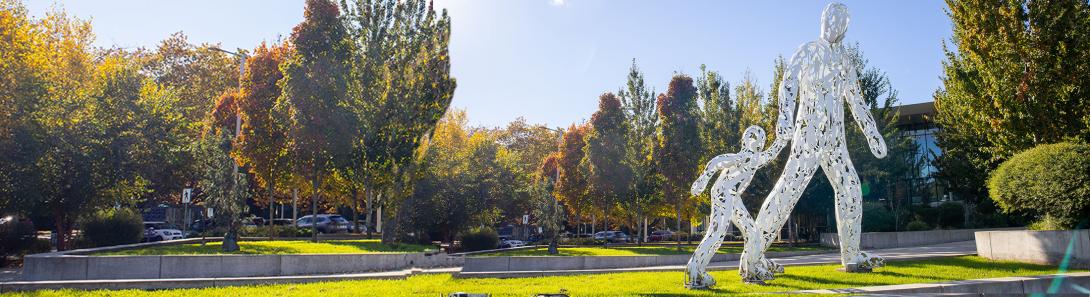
159, 231
511, 243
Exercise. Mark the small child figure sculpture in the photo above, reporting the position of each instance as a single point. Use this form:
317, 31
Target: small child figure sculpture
737, 172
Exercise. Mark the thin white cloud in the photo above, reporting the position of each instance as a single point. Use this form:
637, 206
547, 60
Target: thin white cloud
558, 2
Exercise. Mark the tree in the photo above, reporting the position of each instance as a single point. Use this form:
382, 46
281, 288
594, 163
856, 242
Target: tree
640, 116
225, 189
608, 176
315, 95
196, 73
547, 209
678, 147
401, 88
1015, 77
571, 189
263, 143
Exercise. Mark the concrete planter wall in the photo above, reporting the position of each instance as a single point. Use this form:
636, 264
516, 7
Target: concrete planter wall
557, 263
883, 240
79, 265
1042, 247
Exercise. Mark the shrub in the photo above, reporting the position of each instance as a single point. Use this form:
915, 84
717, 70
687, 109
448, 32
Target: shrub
480, 239
877, 218
15, 237
278, 231
114, 227
950, 215
1050, 182
917, 225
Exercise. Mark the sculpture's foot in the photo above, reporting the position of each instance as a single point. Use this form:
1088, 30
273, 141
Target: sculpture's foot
870, 261
762, 271
702, 281
773, 266
864, 262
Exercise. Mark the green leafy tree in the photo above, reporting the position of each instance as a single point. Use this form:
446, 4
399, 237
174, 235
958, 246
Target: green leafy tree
678, 147
401, 88
315, 95
225, 190
548, 211
640, 115
609, 176
1015, 77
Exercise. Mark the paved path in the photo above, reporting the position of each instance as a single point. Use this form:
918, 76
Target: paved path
921, 252
8, 274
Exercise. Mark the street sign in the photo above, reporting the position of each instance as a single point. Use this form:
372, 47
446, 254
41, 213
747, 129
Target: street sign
187, 193
525, 219
209, 212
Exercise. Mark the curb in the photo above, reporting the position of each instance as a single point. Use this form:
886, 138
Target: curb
1067, 283
187, 283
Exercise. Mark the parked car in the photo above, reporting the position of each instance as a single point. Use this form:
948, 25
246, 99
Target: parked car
611, 236
282, 222
326, 223
160, 231
511, 243
660, 235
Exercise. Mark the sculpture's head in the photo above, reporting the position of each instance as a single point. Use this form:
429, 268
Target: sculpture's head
753, 139
834, 22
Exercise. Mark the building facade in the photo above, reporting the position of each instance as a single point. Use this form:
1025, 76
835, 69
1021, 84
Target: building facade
921, 186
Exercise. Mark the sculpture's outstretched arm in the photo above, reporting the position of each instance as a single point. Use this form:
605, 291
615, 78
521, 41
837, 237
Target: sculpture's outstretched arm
717, 164
861, 112
789, 92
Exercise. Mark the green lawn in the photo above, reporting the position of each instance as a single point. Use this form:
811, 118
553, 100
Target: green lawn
640, 250
359, 246
616, 284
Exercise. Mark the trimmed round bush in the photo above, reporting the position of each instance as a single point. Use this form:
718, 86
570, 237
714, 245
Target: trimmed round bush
114, 227
1051, 180
480, 239
917, 225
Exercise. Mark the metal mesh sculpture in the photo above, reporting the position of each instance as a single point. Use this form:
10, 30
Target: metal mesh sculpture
821, 74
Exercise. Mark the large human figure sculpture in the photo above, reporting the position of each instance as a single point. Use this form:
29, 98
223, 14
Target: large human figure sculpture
822, 76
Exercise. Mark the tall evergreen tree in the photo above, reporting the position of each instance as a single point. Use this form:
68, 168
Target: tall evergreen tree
640, 115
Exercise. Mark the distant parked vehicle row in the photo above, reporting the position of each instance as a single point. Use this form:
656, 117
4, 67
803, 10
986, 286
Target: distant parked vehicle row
660, 235
612, 236
325, 223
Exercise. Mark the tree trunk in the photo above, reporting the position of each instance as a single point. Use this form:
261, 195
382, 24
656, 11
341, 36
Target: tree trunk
355, 213
314, 210
272, 200
295, 207
677, 234
62, 229
370, 210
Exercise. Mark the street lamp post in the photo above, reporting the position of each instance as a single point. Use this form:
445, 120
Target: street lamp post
238, 117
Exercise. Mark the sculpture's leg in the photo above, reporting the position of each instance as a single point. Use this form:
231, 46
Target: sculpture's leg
800, 167
849, 209
697, 276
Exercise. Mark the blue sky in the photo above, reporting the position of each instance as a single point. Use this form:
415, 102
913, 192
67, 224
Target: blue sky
548, 60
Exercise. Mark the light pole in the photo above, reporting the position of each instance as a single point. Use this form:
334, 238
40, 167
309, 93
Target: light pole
238, 117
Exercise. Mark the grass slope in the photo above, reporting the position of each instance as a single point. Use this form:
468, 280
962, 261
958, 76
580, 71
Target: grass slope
616, 284
639, 250
359, 246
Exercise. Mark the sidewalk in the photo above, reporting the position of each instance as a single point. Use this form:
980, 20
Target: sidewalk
923, 252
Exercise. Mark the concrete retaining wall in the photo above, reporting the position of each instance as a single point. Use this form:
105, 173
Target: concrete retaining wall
1042, 247
883, 240
1074, 284
80, 267
557, 263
